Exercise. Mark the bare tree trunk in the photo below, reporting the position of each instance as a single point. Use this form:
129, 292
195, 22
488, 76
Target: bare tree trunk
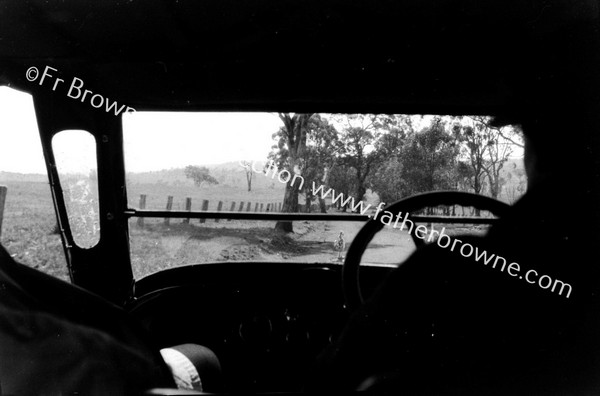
290, 205
325, 181
476, 185
296, 129
307, 203
322, 205
360, 194
249, 179
494, 179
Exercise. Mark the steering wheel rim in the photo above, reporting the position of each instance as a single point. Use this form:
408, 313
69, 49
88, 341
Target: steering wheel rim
350, 270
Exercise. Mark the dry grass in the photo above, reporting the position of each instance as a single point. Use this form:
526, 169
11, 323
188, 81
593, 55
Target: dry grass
29, 228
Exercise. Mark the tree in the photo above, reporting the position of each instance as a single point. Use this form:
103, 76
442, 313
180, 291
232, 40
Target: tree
320, 157
247, 165
516, 183
498, 155
291, 144
369, 142
487, 147
428, 159
387, 180
342, 179
464, 177
500, 147
358, 139
473, 141
199, 174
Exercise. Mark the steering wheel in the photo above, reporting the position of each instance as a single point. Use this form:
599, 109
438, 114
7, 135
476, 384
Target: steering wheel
350, 270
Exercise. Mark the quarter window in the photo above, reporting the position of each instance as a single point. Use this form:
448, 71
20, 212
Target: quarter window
75, 155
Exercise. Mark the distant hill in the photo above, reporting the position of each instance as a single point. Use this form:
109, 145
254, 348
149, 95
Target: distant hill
7, 177
229, 174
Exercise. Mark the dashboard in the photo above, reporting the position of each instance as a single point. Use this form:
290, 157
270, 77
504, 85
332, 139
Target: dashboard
267, 322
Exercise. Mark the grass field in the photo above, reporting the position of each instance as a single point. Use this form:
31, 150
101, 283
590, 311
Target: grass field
29, 225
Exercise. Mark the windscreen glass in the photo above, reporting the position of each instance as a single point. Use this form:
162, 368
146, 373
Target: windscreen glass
329, 164
29, 230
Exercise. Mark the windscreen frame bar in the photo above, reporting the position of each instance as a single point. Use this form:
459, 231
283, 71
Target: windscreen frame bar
297, 216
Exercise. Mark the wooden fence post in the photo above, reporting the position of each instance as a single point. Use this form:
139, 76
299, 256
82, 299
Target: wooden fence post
169, 208
219, 207
3, 192
204, 208
188, 207
232, 209
140, 220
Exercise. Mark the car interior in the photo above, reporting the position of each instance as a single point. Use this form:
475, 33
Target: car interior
116, 85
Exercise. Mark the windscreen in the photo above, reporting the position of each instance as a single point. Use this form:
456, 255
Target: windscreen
353, 165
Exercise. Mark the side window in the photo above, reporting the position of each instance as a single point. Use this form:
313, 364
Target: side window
28, 228
75, 155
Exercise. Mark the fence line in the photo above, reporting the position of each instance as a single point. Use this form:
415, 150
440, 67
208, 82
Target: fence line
140, 220
188, 207
219, 207
3, 192
169, 208
258, 207
204, 208
232, 209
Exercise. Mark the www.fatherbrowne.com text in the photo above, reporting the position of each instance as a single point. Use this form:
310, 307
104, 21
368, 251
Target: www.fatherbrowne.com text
443, 240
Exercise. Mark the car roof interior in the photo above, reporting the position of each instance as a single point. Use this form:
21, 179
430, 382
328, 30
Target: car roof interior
445, 57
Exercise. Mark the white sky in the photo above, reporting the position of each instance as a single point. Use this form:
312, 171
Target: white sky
192, 138
20, 147
196, 138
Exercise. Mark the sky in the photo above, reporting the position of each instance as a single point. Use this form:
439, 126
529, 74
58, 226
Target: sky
196, 138
192, 138
20, 148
